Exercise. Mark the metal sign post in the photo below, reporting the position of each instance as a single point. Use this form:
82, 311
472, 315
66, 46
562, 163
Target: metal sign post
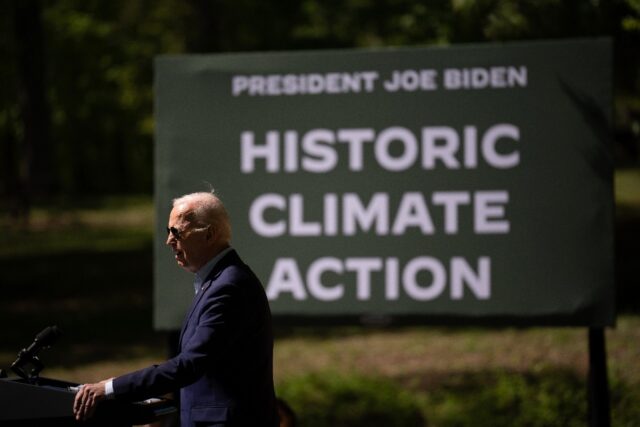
598, 384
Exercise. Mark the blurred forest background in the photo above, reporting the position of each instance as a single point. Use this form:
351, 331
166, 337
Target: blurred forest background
76, 215
76, 106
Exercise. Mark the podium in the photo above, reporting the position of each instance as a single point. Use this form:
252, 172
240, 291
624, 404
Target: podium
49, 402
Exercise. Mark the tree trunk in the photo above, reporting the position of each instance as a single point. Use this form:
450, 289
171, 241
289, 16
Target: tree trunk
34, 109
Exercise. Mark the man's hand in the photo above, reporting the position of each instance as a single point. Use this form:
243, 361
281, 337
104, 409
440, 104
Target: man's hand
87, 400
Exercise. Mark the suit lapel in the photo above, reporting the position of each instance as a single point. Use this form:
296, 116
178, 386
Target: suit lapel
228, 259
194, 304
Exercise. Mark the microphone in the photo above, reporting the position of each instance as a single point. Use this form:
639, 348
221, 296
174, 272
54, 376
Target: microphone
44, 339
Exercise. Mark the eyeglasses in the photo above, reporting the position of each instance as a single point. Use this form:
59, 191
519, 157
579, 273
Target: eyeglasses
179, 235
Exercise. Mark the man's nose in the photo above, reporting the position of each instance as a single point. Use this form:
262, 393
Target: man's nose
170, 239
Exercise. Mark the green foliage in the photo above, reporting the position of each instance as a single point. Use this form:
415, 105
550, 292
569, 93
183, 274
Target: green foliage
509, 399
98, 63
625, 403
480, 399
96, 225
330, 400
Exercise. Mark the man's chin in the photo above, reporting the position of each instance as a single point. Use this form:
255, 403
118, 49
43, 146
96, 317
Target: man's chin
186, 266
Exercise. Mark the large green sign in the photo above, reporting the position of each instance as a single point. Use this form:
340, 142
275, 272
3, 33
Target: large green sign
467, 183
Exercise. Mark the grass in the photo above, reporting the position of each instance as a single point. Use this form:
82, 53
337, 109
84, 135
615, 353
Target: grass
453, 375
627, 187
417, 357
108, 224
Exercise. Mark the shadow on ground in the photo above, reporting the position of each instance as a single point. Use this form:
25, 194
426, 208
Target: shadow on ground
102, 301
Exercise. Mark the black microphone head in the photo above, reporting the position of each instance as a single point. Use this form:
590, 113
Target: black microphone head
48, 336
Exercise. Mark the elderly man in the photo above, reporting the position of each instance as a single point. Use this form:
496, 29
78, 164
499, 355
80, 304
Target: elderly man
224, 368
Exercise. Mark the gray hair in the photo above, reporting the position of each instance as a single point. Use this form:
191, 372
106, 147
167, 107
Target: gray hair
207, 209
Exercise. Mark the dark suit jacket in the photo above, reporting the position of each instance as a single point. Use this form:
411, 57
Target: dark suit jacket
225, 365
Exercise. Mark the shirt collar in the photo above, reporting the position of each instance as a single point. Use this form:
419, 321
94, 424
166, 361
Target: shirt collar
204, 271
